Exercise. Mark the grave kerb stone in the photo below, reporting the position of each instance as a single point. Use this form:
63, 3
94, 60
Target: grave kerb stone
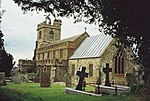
73, 91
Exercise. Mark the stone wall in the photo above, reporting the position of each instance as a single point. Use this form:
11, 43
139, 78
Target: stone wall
85, 63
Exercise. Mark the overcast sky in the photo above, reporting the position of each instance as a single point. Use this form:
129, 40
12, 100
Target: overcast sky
20, 29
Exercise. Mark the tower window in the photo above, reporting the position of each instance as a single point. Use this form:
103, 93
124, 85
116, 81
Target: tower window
40, 35
51, 33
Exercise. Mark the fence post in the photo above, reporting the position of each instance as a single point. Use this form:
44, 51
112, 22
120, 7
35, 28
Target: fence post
98, 91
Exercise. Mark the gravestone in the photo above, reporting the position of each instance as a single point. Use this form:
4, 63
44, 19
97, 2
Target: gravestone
131, 79
45, 79
2, 79
106, 71
81, 75
67, 79
17, 78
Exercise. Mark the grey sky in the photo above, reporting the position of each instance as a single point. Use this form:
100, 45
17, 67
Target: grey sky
20, 29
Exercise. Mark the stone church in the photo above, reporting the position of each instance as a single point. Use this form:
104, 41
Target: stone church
52, 53
59, 56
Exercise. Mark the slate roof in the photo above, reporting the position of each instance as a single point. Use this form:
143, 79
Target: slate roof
93, 46
67, 39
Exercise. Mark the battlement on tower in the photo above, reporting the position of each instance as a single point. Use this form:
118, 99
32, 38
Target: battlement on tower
47, 24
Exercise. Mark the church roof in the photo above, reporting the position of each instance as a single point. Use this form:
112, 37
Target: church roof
68, 39
93, 46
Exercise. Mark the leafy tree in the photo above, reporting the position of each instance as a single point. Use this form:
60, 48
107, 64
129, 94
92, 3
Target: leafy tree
6, 59
126, 20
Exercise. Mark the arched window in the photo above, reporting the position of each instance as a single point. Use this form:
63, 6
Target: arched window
90, 69
40, 35
51, 33
119, 63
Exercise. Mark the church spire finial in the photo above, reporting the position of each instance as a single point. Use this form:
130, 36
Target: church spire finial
85, 29
47, 18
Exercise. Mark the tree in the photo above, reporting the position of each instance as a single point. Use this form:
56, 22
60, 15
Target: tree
126, 20
6, 59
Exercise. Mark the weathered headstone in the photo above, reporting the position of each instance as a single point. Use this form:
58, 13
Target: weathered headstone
67, 78
131, 79
81, 75
45, 79
17, 78
2, 79
106, 71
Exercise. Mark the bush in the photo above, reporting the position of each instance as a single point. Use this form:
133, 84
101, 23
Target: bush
31, 76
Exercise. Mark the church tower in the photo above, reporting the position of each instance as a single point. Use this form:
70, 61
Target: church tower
47, 32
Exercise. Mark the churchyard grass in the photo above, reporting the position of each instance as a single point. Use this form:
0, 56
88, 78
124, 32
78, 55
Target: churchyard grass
33, 92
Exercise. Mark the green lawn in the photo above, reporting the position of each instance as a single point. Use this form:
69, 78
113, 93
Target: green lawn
32, 92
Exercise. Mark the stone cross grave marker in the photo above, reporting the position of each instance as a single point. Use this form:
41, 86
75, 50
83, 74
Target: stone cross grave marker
2, 78
106, 71
82, 74
131, 79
